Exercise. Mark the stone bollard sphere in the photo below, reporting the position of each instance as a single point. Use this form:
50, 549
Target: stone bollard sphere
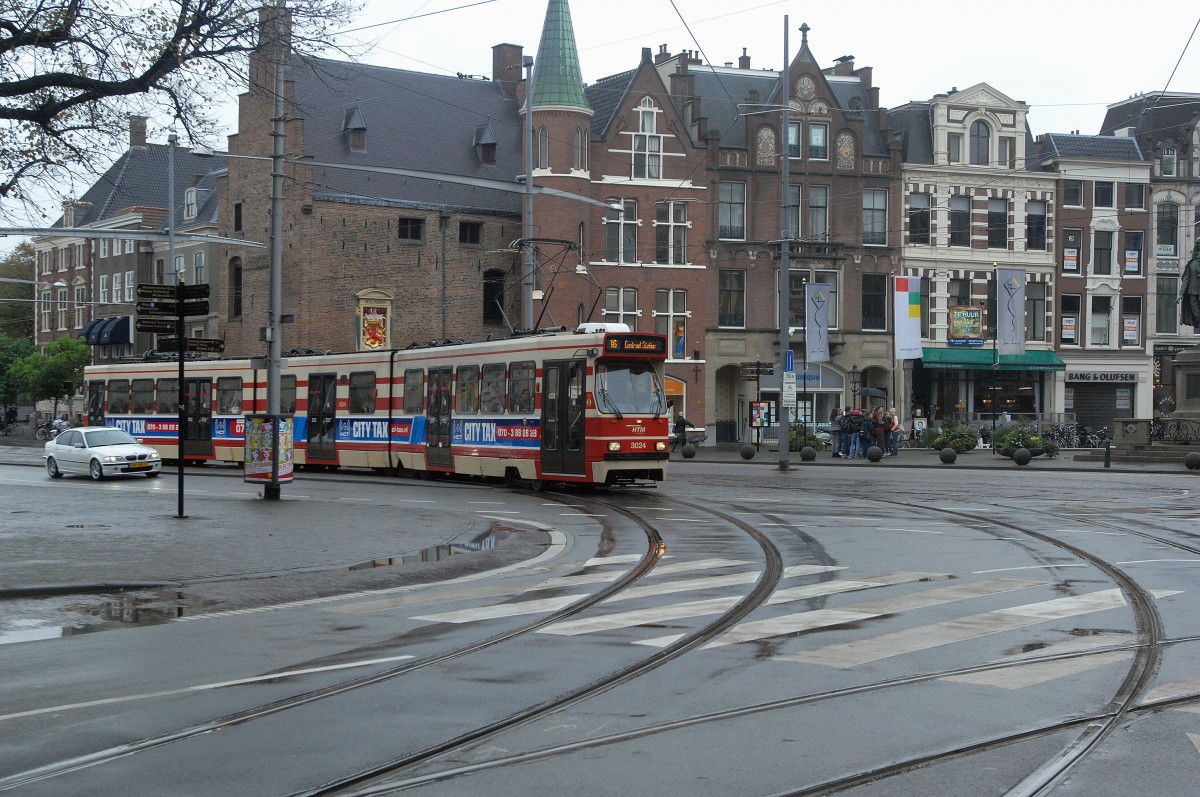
1022, 456
874, 454
688, 450
948, 456
1192, 460
747, 451
808, 453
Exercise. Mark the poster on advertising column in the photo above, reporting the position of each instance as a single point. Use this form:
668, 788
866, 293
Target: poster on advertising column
1010, 310
258, 449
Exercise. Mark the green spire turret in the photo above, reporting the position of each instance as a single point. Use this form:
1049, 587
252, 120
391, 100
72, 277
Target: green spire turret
557, 78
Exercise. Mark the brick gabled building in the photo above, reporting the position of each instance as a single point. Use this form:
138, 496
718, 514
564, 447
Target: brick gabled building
1166, 127
1101, 294
842, 213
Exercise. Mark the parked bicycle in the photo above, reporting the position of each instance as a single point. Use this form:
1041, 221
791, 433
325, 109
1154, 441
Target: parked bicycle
914, 439
12, 429
51, 429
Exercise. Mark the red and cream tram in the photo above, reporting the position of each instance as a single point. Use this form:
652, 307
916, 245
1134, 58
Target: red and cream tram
573, 407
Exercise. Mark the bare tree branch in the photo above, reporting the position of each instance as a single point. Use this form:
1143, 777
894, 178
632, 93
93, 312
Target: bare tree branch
74, 70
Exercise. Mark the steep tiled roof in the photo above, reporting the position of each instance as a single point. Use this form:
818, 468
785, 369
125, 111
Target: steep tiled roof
1157, 117
557, 78
915, 123
604, 97
721, 93
139, 179
413, 120
1060, 146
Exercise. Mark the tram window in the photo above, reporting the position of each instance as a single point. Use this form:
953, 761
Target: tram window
168, 397
287, 394
229, 395
466, 395
520, 387
632, 388
362, 393
118, 396
414, 391
143, 395
493, 387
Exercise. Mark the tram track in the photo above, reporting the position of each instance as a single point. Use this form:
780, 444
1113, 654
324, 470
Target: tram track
656, 547
1092, 728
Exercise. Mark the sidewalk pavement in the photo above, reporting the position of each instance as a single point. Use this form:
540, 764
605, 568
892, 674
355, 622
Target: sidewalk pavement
133, 540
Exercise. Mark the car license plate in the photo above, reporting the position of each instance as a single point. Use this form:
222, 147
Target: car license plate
138, 465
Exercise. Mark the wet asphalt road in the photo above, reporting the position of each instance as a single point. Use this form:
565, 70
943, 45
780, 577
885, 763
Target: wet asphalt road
862, 524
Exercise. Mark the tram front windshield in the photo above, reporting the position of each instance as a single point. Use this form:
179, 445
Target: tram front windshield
629, 388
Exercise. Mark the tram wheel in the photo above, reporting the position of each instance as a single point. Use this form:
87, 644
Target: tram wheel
537, 485
510, 476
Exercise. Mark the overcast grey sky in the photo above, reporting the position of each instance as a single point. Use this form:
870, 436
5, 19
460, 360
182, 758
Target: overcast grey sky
1068, 59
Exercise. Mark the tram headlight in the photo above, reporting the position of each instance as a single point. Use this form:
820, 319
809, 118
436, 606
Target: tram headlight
614, 446
661, 445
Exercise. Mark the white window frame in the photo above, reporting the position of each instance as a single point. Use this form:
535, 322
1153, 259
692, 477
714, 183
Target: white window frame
1109, 330
870, 204
673, 228
129, 286
665, 320
818, 151
623, 224
46, 307
129, 242
190, 208
80, 298
647, 161
1168, 163
103, 247
62, 308
726, 208
103, 289
626, 311
118, 286
199, 269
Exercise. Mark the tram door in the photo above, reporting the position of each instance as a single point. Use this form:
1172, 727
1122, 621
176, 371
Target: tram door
95, 403
197, 434
562, 417
322, 417
437, 419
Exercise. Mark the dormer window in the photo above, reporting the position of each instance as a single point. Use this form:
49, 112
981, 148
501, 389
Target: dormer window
485, 144
190, 204
355, 130
1167, 163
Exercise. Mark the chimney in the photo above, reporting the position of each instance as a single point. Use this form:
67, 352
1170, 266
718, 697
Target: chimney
137, 131
743, 60
663, 54
506, 68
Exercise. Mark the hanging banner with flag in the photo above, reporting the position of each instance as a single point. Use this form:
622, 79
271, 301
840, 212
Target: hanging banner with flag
816, 321
908, 318
1010, 310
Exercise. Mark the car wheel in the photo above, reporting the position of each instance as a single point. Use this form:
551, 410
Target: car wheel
52, 468
96, 470
152, 474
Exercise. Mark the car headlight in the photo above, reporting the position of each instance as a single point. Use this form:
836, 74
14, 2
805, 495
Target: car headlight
614, 446
152, 455
661, 445
110, 458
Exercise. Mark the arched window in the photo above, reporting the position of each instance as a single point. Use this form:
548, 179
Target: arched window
493, 287
235, 287
543, 148
981, 143
578, 153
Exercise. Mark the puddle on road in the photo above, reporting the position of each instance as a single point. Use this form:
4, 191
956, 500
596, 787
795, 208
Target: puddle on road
28, 620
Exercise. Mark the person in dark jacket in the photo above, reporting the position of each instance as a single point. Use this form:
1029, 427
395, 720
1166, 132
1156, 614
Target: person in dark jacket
681, 426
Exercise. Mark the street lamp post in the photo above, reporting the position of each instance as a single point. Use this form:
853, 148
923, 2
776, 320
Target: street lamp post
854, 374
172, 142
785, 263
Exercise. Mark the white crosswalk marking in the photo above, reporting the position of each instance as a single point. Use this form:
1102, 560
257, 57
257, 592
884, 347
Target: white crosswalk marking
856, 612
684, 610
1038, 672
662, 570
862, 651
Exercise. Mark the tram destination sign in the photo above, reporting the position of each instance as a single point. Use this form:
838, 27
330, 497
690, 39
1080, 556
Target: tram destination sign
633, 343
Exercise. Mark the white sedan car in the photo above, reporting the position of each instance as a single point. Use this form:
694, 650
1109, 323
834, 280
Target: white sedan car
99, 451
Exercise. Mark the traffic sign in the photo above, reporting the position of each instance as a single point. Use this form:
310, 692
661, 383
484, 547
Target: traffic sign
790, 362
159, 325
160, 309
207, 345
146, 290
195, 308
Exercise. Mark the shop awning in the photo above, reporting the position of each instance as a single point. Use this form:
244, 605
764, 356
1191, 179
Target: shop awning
91, 331
981, 359
113, 331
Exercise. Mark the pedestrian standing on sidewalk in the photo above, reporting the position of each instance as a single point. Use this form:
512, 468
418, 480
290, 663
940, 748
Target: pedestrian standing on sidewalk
879, 430
894, 428
857, 423
835, 432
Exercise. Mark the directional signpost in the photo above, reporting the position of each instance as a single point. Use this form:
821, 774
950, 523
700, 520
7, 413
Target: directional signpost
207, 345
